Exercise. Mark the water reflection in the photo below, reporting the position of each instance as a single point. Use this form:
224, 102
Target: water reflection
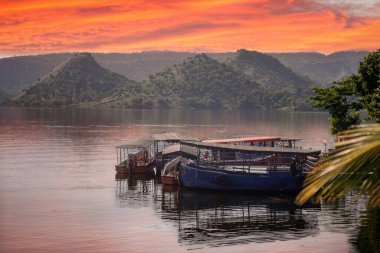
368, 236
68, 156
135, 190
217, 219
311, 127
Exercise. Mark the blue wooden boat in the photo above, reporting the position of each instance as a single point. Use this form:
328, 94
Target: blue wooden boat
254, 168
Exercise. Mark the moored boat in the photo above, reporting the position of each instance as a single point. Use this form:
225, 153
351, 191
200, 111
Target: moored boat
169, 175
229, 167
166, 147
135, 157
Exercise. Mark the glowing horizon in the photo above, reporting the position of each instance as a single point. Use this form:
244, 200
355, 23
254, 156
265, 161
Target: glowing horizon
325, 26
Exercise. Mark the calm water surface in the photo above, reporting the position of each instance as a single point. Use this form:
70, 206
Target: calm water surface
58, 191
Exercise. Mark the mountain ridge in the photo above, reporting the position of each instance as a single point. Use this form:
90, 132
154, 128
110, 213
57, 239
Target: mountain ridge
201, 82
242, 80
17, 73
322, 69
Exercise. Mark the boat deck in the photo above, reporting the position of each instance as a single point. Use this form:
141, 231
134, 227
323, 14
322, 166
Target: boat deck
251, 149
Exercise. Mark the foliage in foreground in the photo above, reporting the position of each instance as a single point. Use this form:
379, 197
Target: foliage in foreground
354, 164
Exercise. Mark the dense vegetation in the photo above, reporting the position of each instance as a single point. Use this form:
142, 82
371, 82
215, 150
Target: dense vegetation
202, 82
17, 73
355, 163
248, 81
244, 80
281, 86
344, 99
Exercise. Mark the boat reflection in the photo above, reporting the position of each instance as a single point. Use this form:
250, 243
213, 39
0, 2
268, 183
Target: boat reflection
218, 219
135, 190
212, 219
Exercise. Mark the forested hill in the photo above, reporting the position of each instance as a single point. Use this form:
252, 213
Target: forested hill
279, 82
202, 82
266, 69
245, 80
20, 72
78, 80
17, 73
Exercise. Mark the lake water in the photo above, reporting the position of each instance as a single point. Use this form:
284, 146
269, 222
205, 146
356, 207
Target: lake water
58, 191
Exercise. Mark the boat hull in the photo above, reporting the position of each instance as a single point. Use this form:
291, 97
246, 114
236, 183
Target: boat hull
197, 177
139, 169
169, 180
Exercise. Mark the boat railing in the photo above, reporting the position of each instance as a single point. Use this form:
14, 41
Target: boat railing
249, 167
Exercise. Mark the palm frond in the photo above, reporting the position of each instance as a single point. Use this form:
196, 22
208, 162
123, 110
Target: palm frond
354, 164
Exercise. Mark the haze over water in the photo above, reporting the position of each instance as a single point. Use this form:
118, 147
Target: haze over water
58, 191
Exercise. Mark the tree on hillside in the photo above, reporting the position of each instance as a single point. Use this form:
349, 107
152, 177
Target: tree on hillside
342, 103
360, 91
367, 84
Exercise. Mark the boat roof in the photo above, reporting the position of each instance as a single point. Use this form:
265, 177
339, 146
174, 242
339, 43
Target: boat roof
176, 148
172, 137
291, 139
139, 143
252, 149
171, 149
245, 139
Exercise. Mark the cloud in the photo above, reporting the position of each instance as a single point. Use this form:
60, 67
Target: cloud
12, 21
179, 30
214, 25
348, 12
158, 34
98, 10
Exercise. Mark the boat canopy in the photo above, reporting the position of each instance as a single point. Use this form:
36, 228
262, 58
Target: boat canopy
137, 144
172, 137
171, 149
177, 148
133, 147
250, 149
245, 139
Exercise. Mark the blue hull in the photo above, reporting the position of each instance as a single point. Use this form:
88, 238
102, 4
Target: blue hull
197, 177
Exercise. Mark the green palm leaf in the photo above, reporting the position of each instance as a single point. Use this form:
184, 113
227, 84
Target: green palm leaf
354, 164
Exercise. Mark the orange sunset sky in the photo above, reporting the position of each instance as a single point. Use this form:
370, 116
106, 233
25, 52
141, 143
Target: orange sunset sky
42, 26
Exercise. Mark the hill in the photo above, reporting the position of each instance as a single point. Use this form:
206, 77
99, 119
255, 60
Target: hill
197, 82
138, 66
282, 86
17, 73
249, 80
323, 69
79, 80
